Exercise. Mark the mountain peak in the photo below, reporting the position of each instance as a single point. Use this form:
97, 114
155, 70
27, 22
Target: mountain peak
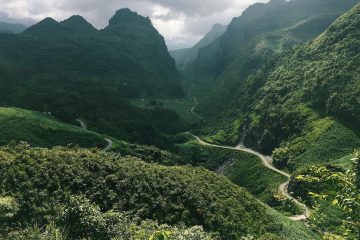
48, 20
77, 23
45, 25
126, 16
76, 19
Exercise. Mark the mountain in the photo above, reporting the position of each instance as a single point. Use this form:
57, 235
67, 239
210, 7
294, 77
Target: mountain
44, 28
185, 57
11, 27
251, 40
73, 70
78, 24
305, 104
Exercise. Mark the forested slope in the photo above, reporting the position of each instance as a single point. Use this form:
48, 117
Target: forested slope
306, 100
262, 32
73, 70
88, 193
42, 130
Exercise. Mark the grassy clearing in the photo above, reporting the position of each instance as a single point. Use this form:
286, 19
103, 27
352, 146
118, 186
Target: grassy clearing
39, 129
180, 106
331, 147
292, 230
248, 172
322, 141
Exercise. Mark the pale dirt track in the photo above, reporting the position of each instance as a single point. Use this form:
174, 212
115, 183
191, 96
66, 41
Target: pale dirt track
267, 162
109, 141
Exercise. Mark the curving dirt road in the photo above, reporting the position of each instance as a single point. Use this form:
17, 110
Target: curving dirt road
109, 141
82, 124
192, 109
267, 162
109, 145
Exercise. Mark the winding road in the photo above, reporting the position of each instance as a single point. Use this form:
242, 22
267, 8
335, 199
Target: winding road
267, 161
109, 141
192, 109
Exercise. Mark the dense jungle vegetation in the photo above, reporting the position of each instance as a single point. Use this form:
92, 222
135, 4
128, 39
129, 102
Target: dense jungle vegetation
282, 79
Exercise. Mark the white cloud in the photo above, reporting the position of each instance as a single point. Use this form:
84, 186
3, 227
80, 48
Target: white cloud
182, 22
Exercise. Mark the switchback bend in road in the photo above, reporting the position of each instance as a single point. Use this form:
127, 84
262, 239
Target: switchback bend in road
267, 162
109, 141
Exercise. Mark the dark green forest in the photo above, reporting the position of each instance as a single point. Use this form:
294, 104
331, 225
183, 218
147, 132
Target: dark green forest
73, 70
68, 186
103, 135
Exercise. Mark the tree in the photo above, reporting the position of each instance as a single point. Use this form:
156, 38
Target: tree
347, 188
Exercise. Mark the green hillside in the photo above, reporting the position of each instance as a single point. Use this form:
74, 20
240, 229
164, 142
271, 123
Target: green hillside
42, 130
60, 183
243, 169
251, 40
73, 70
283, 79
306, 102
339, 183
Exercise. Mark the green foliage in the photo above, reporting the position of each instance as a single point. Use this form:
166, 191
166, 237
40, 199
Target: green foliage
322, 141
287, 88
48, 232
148, 154
40, 129
251, 40
44, 182
84, 219
304, 102
335, 197
241, 168
8, 209
181, 106
91, 73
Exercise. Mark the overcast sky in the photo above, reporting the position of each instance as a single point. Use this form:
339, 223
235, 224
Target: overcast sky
181, 22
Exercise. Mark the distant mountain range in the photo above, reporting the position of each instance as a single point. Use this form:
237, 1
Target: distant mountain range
185, 57
11, 27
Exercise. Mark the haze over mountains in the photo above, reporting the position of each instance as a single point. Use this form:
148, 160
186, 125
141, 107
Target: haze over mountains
11, 28
185, 57
105, 136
